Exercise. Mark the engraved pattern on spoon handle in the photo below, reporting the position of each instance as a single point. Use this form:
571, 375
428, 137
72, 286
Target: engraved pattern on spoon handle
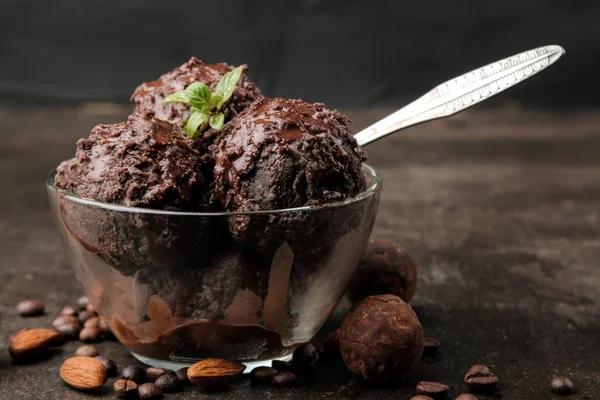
463, 91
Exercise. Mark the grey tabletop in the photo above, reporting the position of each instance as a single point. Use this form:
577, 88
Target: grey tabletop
500, 209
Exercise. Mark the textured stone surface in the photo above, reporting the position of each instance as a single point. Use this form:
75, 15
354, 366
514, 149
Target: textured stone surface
499, 210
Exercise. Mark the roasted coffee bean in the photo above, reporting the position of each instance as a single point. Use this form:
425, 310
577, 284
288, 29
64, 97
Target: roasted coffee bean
90, 335
432, 389
125, 389
466, 396
149, 391
305, 356
285, 379
84, 316
480, 378
421, 397
111, 367
92, 323
134, 373
182, 375
105, 329
69, 331
91, 309
87, 351
430, 346
263, 374
169, 383
30, 308
282, 365
68, 310
562, 385
65, 319
82, 302
154, 373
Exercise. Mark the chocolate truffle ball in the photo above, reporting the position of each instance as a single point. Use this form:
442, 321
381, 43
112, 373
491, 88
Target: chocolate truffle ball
149, 96
384, 269
381, 338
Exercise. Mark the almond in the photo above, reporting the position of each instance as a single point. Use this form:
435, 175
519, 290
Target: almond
214, 373
83, 373
32, 342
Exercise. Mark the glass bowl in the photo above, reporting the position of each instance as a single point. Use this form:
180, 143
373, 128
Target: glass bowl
177, 287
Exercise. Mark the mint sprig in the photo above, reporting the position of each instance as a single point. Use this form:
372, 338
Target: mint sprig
205, 106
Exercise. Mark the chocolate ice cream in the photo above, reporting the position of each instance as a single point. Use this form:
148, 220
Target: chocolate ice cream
284, 153
196, 285
139, 163
149, 96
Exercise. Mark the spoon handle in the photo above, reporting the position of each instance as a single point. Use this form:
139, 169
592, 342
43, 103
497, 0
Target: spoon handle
460, 93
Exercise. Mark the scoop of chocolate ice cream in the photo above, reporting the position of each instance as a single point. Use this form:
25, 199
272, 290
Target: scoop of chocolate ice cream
149, 96
284, 153
139, 163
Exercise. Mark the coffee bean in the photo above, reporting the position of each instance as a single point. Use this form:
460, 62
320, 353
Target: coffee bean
480, 378
90, 335
421, 397
282, 365
562, 385
65, 319
111, 367
82, 302
68, 310
91, 323
69, 331
87, 351
430, 347
84, 316
105, 329
154, 373
91, 309
262, 374
149, 391
182, 375
305, 356
134, 373
466, 396
30, 308
169, 383
285, 379
125, 389
432, 389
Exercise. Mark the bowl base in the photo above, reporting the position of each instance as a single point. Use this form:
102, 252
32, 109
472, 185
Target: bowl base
175, 365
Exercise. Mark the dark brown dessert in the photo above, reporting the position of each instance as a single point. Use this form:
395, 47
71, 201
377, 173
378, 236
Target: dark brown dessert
149, 96
286, 153
233, 286
139, 163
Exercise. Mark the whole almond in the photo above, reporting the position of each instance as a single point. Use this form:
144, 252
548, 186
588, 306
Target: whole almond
83, 373
214, 373
32, 342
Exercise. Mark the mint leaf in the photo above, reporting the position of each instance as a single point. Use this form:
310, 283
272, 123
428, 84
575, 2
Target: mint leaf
196, 119
196, 95
216, 101
216, 121
181, 96
201, 95
227, 84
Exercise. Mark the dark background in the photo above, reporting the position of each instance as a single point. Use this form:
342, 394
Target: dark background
342, 52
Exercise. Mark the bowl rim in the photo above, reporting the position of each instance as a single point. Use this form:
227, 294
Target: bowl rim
70, 196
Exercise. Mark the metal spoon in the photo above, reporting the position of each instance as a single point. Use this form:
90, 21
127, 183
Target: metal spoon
462, 92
